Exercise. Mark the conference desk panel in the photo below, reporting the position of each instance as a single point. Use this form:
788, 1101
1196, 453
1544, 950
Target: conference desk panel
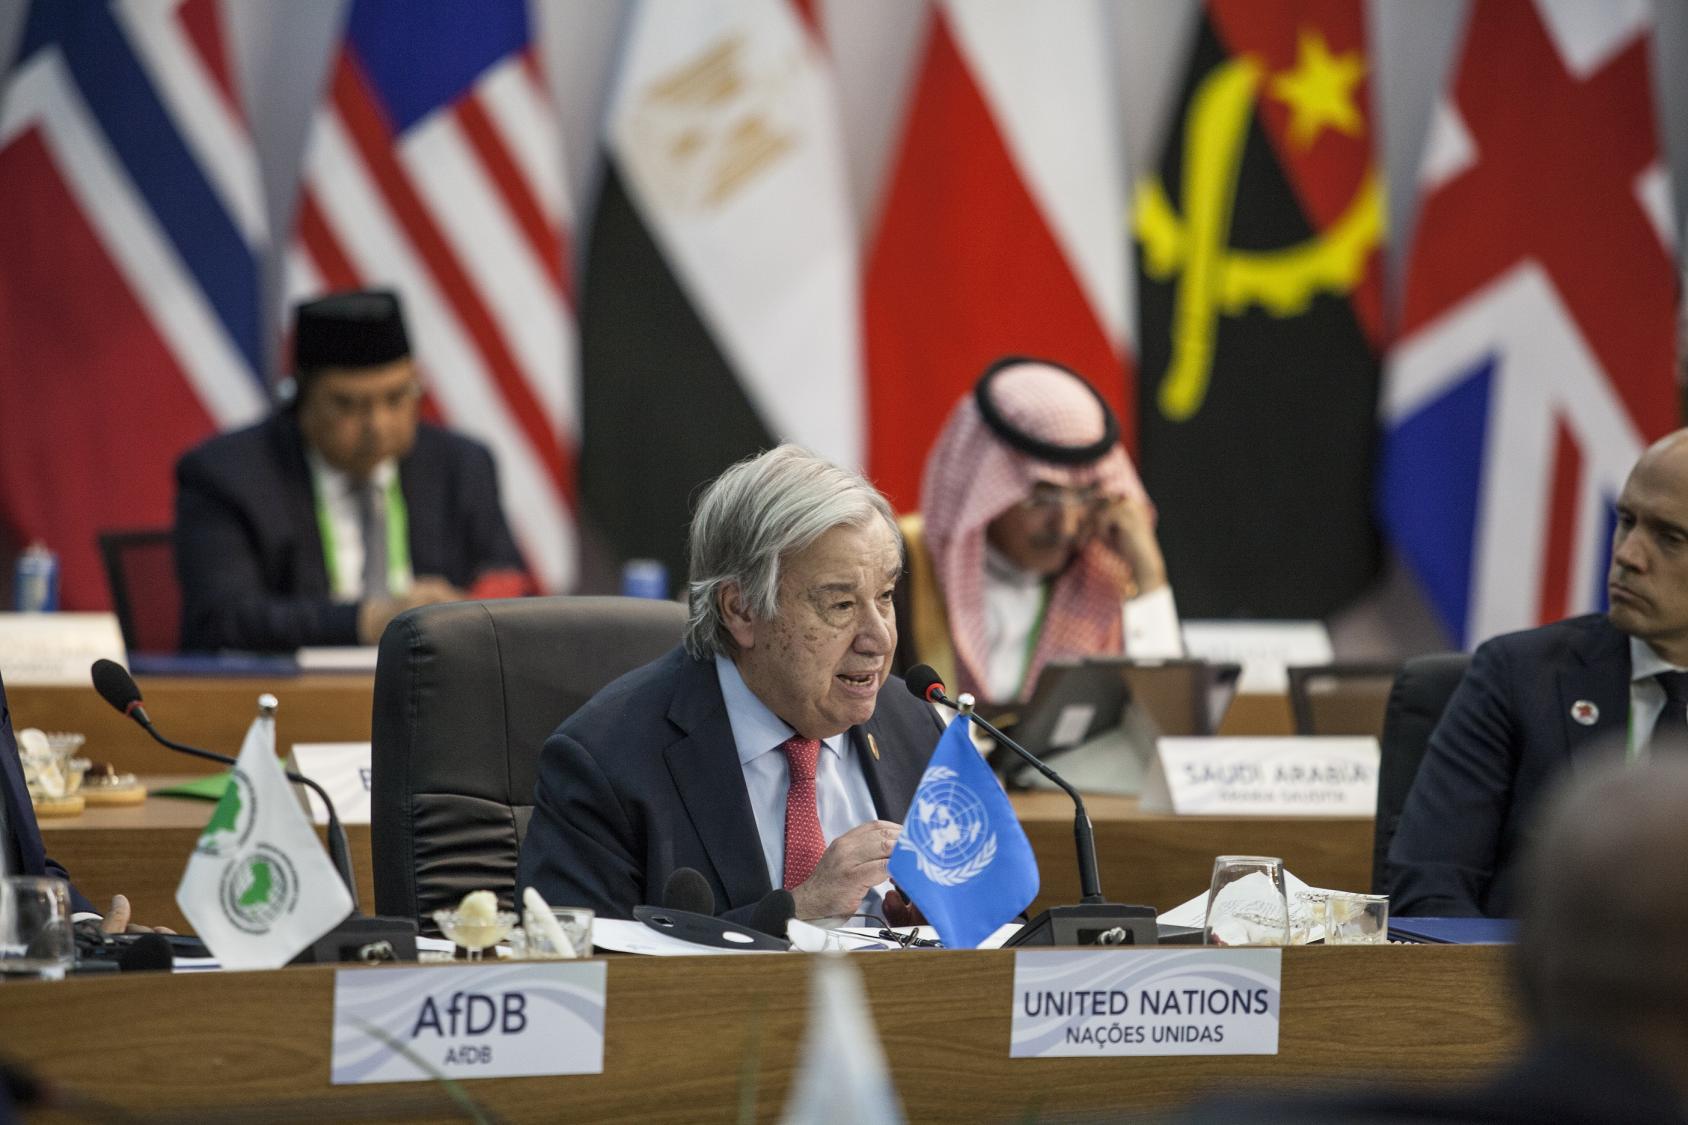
1146, 858
212, 712
141, 851
687, 1038
1161, 860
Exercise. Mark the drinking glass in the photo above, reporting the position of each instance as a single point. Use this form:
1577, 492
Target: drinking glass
576, 924
36, 941
1246, 903
1356, 919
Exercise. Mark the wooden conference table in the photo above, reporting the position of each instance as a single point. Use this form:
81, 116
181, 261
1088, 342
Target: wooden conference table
1156, 860
686, 1038
214, 712
1152, 859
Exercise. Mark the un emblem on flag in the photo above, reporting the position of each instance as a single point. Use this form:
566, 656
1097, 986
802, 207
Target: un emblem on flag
948, 829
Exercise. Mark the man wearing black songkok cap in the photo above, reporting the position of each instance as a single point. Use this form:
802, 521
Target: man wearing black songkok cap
340, 510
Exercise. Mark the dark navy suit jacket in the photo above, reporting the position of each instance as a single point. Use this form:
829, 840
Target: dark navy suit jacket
1507, 735
646, 779
249, 554
25, 843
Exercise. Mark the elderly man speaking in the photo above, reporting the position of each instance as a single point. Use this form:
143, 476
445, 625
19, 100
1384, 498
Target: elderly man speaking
772, 749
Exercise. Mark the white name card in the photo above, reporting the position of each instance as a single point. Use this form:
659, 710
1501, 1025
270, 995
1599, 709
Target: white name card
1301, 776
342, 768
57, 648
1265, 649
468, 1021
1171, 1001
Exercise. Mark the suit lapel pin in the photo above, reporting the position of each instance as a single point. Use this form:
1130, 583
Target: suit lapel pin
1585, 712
872, 747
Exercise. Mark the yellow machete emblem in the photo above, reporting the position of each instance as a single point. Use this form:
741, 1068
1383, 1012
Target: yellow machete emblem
1215, 279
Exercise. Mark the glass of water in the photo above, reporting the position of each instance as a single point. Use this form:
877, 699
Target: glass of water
575, 925
1356, 919
1246, 903
36, 941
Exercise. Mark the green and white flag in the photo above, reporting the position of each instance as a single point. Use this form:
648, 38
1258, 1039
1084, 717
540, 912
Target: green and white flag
259, 887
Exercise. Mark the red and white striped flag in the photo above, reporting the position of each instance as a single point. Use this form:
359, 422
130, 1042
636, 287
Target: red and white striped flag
1004, 229
433, 168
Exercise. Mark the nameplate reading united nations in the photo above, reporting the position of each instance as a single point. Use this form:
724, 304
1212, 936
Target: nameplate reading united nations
1088, 1003
468, 1021
1304, 776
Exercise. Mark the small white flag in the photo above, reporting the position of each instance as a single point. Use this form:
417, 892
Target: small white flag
259, 887
841, 1071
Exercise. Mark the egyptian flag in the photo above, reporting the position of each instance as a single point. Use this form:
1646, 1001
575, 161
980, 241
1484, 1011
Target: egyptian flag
1003, 227
1259, 250
719, 313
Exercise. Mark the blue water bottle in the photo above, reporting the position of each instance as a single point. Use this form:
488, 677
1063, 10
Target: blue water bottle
35, 582
644, 578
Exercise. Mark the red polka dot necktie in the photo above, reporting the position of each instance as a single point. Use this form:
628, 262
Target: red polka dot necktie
803, 840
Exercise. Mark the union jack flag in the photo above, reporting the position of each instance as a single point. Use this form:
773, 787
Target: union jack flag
1537, 350
130, 323
433, 168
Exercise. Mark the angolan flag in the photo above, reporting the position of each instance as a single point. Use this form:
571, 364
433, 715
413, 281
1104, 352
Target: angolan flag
1259, 244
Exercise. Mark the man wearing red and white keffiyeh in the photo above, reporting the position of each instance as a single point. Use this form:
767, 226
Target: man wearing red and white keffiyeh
1035, 540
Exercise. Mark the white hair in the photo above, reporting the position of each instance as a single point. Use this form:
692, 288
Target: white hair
754, 515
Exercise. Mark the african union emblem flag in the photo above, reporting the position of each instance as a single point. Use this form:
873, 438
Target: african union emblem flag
1259, 240
963, 857
258, 887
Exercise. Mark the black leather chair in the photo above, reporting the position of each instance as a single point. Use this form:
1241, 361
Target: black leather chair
140, 569
465, 696
1416, 703
1341, 699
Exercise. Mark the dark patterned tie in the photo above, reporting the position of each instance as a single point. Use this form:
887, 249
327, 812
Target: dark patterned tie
1670, 733
803, 840
372, 522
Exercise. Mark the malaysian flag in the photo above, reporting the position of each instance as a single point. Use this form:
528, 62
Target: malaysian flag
433, 168
129, 306
1538, 336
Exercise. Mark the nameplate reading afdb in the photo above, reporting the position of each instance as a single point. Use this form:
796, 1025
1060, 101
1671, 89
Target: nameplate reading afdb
1301, 776
468, 1021
1090, 1003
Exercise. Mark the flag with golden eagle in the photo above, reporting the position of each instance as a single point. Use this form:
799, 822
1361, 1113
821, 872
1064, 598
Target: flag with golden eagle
1259, 244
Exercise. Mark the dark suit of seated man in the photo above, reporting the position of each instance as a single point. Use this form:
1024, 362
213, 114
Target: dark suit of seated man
1536, 703
21, 849
774, 749
320, 524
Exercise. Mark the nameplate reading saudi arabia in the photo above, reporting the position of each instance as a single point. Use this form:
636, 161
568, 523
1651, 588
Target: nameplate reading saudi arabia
468, 1021
1088, 1003
1301, 776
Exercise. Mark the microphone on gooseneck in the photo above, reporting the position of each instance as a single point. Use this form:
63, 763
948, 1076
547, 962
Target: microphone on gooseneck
688, 890
776, 908
118, 688
1095, 921
688, 913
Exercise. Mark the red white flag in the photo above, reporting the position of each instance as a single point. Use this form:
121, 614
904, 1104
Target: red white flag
1004, 228
433, 168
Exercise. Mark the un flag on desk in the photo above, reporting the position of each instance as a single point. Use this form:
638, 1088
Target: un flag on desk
963, 857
